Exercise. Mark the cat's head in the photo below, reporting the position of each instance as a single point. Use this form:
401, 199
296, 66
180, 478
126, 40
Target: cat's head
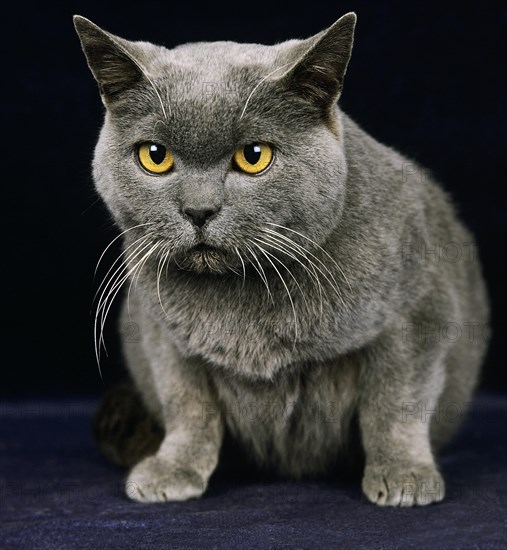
212, 148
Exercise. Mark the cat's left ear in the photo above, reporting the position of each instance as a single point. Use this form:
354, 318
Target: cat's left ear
318, 72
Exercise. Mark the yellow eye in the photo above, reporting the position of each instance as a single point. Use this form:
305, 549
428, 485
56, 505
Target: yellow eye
253, 158
155, 158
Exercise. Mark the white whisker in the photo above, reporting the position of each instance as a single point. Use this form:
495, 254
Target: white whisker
305, 252
243, 264
298, 249
110, 288
160, 269
234, 271
286, 269
261, 273
121, 269
286, 288
118, 259
257, 85
318, 246
280, 246
105, 310
113, 241
105, 303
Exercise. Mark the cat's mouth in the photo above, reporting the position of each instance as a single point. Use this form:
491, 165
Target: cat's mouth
204, 258
203, 247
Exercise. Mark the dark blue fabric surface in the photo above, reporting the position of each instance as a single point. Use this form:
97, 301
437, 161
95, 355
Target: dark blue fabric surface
56, 491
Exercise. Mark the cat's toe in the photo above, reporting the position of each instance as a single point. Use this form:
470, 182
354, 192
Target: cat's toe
157, 480
403, 484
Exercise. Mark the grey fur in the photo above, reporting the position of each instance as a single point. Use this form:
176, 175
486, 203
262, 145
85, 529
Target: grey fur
285, 376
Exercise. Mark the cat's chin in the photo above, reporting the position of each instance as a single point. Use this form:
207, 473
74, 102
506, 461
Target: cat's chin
204, 259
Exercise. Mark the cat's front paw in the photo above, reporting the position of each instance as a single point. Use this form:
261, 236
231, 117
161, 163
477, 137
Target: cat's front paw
157, 480
403, 484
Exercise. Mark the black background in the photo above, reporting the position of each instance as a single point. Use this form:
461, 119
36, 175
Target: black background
425, 77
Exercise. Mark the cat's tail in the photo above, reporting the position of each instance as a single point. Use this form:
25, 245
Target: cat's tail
124, 429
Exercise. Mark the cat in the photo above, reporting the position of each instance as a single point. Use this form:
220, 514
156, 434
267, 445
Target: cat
287, 288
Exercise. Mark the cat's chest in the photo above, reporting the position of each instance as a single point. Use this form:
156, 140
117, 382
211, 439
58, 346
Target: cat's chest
296, 423
247, 330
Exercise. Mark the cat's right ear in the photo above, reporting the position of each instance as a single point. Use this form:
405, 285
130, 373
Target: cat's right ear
110, 58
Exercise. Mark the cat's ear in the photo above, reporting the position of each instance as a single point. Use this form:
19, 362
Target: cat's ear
319, 70
111, 59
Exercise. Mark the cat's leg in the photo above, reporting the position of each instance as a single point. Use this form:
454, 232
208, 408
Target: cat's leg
188, 454
399, 380
187, 411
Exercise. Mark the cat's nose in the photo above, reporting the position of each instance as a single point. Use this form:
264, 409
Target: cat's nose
200, 216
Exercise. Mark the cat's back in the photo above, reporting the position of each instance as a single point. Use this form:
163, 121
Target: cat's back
398, 209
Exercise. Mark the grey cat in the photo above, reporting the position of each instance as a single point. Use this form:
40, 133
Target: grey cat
289, 287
